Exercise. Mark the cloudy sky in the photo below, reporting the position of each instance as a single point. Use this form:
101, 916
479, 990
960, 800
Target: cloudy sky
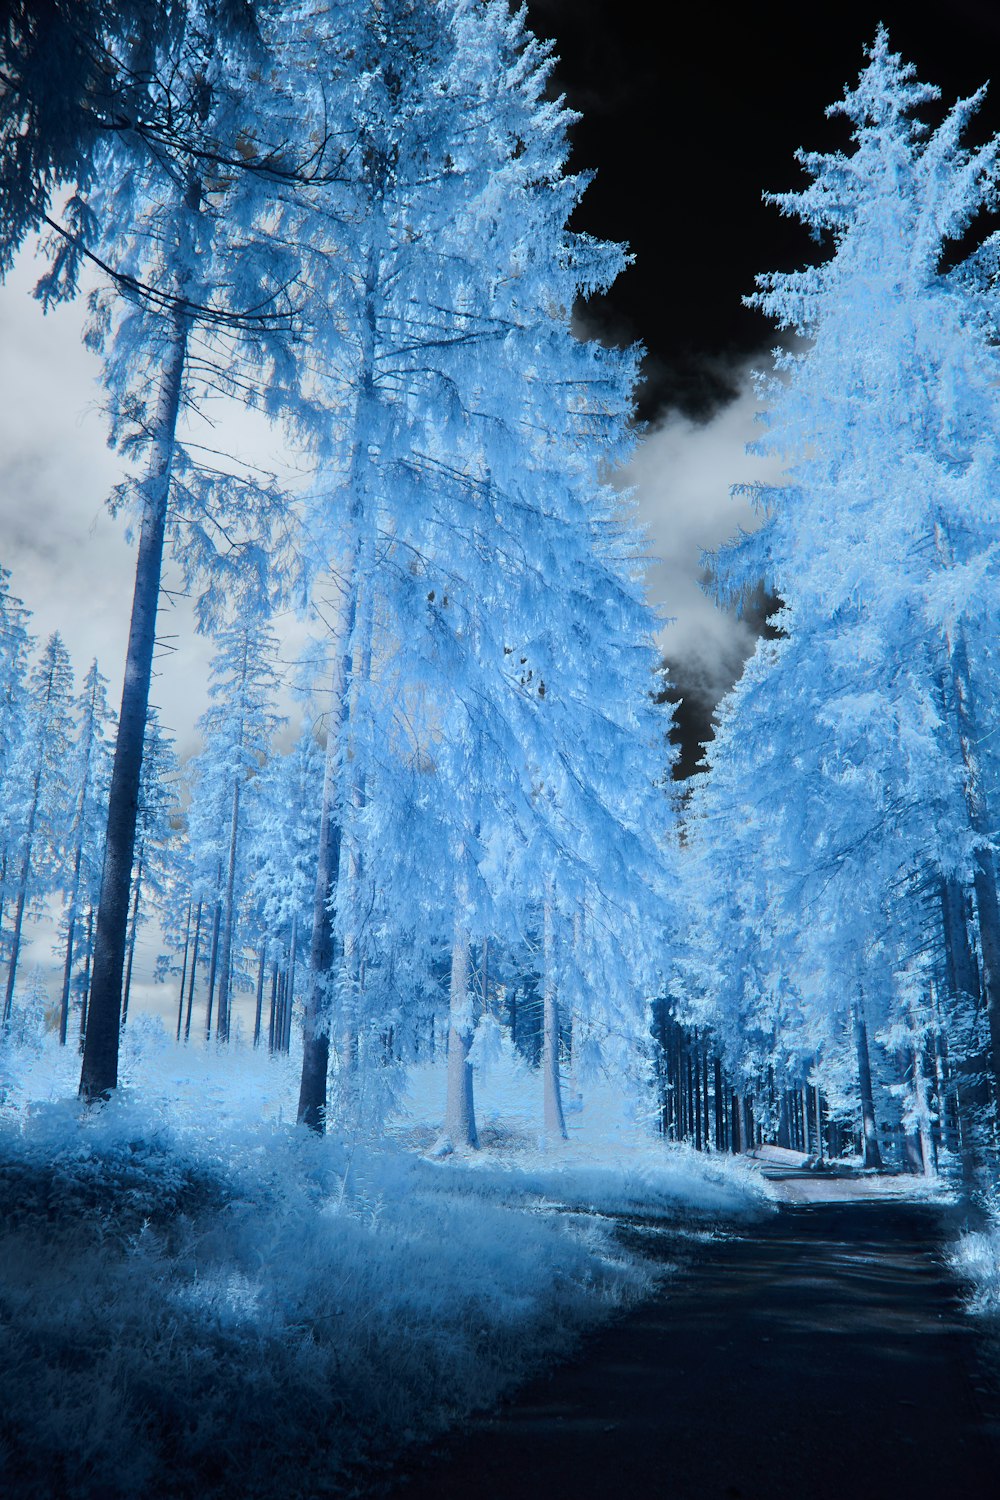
684, 131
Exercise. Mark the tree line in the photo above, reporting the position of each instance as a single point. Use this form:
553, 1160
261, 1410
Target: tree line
355, 219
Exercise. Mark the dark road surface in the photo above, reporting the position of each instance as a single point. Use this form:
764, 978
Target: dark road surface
823, 1357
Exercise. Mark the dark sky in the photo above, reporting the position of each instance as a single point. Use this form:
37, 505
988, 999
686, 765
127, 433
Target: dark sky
689, 117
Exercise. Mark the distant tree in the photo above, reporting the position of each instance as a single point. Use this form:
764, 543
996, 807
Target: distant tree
15, 650
284, 837
43, 753
155, 855
239, 728
88, 775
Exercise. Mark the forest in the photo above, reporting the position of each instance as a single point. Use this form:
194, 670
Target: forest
460, 974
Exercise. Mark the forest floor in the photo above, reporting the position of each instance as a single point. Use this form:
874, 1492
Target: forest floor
822, 1353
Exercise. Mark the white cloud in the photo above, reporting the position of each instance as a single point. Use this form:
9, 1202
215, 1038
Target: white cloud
683, 472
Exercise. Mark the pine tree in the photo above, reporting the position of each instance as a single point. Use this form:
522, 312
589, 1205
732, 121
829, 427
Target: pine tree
15, 650
477, 538
39, 815
238, 729
204, 308
881, 543
88, 775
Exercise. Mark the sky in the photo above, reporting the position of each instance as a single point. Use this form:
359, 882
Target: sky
685, 121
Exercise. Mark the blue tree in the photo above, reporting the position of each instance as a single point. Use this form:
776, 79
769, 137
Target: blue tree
43, 792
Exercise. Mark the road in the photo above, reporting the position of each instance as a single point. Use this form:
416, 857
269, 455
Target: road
822, 1354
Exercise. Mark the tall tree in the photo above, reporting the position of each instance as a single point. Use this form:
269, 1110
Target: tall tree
204, 307
882, 540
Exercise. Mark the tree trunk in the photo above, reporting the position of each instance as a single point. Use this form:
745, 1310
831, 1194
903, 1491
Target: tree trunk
260, 994
70, 935
272, 1025
194, 971
460, 1117
66, 981
229, 917
552, 1109
85, 995
819, 1122
872, 1155
286, 1015
696, 1090
133, 930
213, 964
184, 964
318, 1018
99, 1074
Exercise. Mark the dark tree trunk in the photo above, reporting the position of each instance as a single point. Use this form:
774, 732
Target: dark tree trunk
194, 971
213, 965
184, 964
272, 1025
286, 1015
554, 1120
85, 995
229, 920
872, 1154
819, 1121
318, 1018
260, 994
70, 936
99, 1074
133, 930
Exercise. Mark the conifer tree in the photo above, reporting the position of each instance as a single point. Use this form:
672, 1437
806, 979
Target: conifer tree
204, 308
88, 775
877, 709
43, 792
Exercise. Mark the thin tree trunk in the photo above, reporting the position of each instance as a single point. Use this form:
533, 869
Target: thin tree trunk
260, 994
194, 971
66, 979
85, 996
696, 1090
460, 1116
872, 1154
555, 1123
133, 930
272, 1026
925, 1136
213, 964
184, 964
229, 912
819, 1122
286, 1027
99, 1073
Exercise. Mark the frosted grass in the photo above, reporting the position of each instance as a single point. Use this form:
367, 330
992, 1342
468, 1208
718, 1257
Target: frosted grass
194, 1290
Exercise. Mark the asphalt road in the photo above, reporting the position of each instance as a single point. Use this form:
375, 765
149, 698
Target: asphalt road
822, 1355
